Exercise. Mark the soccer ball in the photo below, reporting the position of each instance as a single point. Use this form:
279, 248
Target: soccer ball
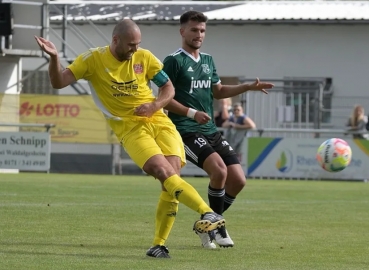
334, 155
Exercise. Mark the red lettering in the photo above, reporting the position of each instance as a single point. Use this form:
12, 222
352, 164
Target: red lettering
48, 110
58, 110
66, 109
74, 110
57, 107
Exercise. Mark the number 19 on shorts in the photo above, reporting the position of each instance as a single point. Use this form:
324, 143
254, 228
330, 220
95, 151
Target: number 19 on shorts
200, 142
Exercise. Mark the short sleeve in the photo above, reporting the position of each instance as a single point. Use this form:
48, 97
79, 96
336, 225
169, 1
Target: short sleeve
171, 68
83, 66
154, 65
214, 78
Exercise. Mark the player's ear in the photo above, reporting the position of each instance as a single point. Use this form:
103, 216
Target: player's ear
181, 30
115, 39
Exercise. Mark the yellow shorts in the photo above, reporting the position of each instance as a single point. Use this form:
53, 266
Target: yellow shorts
144, 139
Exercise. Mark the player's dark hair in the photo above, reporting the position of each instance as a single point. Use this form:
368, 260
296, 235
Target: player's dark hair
193, 16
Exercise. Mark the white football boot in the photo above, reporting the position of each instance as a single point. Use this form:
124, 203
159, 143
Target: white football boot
206, 239
222, 237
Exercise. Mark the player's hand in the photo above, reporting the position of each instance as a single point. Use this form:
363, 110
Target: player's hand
47, 46
260, 86
145, 110
202, 117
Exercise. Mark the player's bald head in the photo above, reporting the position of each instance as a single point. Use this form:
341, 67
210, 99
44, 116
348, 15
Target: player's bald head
125, 40
126, 27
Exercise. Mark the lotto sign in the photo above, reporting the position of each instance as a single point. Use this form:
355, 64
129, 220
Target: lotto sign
28, 151
76, 118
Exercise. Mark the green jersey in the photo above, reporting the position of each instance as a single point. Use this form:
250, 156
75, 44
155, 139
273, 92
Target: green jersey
192, 79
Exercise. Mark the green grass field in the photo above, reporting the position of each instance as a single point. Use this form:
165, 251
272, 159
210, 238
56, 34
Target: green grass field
50, 221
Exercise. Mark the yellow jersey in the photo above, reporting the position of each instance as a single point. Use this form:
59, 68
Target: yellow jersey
118, 87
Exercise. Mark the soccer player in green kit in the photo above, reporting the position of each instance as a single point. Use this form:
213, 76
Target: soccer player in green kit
196, 83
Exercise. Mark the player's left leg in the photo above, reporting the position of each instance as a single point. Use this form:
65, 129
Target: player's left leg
166, 212
235, 180
200, 152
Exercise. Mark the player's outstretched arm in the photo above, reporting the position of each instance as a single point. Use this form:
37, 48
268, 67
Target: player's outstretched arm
225, 91
59, 78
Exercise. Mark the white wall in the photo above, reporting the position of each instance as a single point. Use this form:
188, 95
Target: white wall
273, 51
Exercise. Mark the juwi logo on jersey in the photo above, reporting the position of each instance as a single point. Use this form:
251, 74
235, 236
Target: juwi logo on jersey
200, 84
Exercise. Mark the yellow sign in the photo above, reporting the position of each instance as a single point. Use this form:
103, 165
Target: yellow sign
77, 119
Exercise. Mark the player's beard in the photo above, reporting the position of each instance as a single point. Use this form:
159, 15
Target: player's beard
124, 56
129, 56
192, 46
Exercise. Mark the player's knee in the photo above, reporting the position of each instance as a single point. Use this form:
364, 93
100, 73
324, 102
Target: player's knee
241, 183
175, 162
236, 177
163, 172
159, 171
218, 173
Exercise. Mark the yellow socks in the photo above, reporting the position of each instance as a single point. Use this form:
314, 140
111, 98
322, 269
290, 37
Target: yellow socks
165, 215
186, 194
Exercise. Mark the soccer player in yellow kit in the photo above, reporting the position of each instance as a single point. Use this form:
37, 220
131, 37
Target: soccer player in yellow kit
119, 76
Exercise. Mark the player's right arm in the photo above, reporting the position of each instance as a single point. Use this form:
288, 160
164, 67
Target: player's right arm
60, 78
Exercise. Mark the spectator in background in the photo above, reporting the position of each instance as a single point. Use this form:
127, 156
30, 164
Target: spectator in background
358, 122
237, 126
224, 111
